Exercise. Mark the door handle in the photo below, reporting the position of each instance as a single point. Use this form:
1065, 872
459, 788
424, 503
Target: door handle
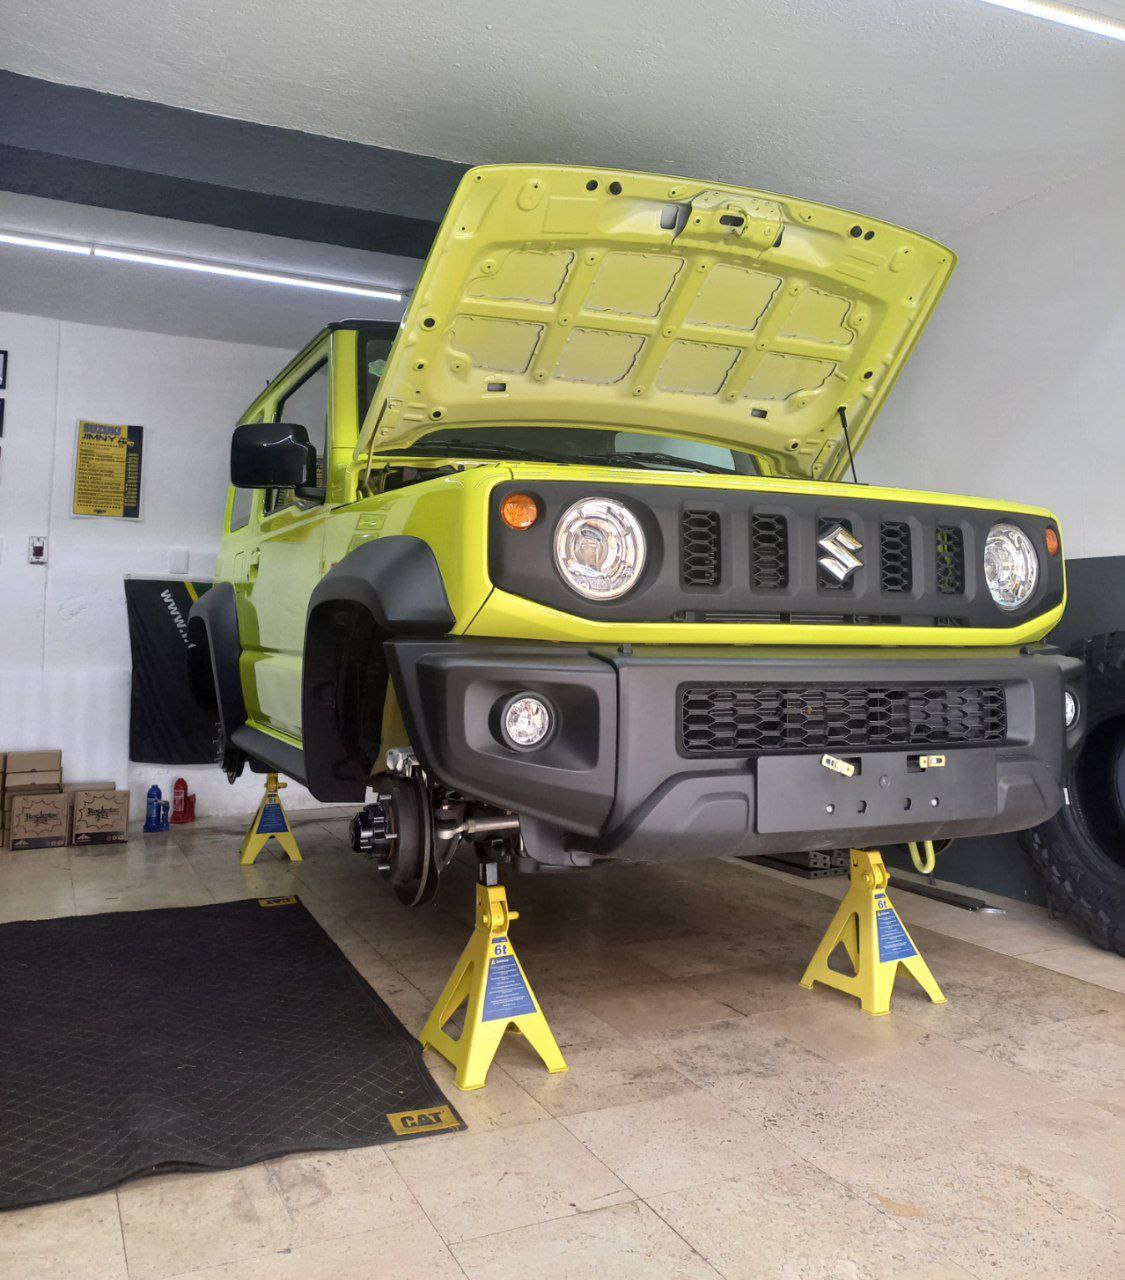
252, 562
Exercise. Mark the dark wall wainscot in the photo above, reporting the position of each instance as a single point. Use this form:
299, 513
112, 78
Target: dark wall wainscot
1095, 604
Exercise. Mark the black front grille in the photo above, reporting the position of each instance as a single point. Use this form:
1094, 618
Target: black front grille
700, 549
769, 551
752, 719
753, 554
949, 543
896, 574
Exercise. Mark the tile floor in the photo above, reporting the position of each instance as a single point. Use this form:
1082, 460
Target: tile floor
716, 1121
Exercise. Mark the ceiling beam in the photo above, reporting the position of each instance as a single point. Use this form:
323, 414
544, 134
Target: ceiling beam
86, 147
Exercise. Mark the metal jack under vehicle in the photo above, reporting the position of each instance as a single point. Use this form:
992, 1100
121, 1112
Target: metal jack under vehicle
875, 939
489, 983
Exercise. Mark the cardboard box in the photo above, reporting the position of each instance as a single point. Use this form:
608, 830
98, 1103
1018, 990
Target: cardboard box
39, 821
90, 786
37, 780
42, 789
33, 761
99, 816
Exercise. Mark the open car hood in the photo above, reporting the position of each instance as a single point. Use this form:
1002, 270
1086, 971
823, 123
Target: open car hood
593, 298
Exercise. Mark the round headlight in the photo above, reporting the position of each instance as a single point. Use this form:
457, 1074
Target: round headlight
1011, 566
526, 720
1070, 709
599, 548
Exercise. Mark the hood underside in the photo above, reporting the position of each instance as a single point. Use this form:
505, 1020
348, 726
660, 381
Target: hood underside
588, 298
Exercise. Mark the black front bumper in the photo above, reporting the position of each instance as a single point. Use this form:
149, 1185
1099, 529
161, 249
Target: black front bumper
614, 778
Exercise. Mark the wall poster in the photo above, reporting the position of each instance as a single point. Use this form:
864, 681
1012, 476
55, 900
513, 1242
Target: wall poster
107, 470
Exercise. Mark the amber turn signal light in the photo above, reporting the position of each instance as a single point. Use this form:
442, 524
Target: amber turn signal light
1051, 537
519, 511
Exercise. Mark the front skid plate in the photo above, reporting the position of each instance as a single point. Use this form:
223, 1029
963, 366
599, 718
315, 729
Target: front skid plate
798, 794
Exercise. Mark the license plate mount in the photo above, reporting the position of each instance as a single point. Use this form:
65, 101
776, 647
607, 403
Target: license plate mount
799, 794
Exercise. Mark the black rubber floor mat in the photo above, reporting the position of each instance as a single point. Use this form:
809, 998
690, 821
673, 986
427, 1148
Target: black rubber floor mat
192, 1038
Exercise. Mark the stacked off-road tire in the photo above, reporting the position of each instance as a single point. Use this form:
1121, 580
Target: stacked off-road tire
1081, 850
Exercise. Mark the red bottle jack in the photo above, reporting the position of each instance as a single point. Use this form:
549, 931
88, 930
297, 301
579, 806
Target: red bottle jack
183, 805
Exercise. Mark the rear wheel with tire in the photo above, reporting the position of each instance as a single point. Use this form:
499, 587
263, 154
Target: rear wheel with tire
1081, 850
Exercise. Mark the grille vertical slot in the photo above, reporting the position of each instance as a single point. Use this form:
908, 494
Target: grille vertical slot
896, 572
949, 545
700, 549
769, 551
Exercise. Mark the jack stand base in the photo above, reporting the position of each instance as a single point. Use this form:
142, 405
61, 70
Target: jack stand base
270, 823
489, 982
874, 938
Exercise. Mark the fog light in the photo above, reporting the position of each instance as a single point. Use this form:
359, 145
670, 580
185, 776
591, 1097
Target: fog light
526, 721
1070, 709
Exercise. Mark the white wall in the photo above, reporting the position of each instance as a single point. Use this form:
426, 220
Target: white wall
1017, 389
64, 645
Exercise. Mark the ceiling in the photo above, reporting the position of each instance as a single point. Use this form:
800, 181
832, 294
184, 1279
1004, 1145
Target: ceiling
934, 113
133, 296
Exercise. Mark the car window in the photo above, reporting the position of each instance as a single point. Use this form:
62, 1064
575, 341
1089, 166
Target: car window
690, 450
588, 444
306, 405
240, 509
374, 348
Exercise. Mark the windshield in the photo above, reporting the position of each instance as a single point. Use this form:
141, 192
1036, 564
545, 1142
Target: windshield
591, 446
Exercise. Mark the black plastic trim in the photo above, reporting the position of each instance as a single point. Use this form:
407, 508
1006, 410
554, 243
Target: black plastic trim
448, 691
386, 587
612, 782
267, 751
213, 629
522, 561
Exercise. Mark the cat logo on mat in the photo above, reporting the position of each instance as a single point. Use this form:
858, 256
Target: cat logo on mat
407, 1124
276, 902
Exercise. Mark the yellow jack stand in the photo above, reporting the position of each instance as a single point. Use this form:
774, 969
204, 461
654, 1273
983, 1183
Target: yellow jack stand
270, 823
875, 939
490, 983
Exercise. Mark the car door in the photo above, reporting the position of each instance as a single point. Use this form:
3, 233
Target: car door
285, 564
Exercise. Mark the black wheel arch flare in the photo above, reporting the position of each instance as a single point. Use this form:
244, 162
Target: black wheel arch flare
388, 587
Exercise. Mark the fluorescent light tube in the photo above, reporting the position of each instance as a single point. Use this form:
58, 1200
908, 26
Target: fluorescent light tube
1081, 19
22, 241
43, 242
242, 273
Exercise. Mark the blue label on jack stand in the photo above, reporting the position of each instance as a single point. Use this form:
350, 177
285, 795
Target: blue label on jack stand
273, 819
893, 941
505, 994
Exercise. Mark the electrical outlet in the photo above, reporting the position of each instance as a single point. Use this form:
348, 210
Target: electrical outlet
37, 550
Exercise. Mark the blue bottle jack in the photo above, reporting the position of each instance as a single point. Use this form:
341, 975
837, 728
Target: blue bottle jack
152, 812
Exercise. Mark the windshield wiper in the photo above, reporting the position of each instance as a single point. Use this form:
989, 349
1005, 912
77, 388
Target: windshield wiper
642, 457
478, 449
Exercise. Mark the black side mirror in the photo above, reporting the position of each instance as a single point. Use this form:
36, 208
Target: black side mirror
272, 455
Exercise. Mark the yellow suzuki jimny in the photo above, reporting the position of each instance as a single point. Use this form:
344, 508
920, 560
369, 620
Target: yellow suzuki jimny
572, 564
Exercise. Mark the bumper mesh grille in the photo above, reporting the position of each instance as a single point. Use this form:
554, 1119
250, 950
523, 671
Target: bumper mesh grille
748, 719
700, 549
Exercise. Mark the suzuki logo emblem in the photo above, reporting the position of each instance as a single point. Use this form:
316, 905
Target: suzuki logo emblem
841, 545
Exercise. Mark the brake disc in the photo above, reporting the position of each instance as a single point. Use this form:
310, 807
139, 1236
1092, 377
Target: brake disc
412, 867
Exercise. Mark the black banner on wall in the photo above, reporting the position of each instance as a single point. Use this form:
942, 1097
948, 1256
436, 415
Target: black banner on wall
166, 724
